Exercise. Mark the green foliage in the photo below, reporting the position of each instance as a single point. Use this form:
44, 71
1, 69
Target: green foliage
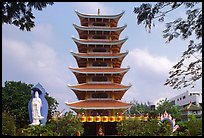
20, 13
129, 127
165, 105
134, 127
153, 128
69, 125
15, 98
52, 108
141, 108
8, 124
39, 131
195, 126
183, 129
189, 69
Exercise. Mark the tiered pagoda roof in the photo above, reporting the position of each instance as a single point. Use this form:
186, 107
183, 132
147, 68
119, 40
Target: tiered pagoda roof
99, 59
113, 19
99, 104
117, 73
100, 55
99, 87
99, 70
84, 44
98, 41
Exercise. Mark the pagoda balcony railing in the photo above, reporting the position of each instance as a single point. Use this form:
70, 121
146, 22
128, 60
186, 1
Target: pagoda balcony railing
99, 99
100, 52
99, 67
102, 40
98, 82
84, 118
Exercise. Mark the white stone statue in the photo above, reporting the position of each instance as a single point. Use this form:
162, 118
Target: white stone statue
36, 106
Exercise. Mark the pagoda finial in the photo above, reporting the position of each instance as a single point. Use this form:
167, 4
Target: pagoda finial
98, 11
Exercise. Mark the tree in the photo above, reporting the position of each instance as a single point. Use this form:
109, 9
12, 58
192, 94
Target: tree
134, 127
165, 105
52, 108
15, 98
8, 124
20, 13
195, 126
141, 108
39, 131
162, 106
189, 69
67, 125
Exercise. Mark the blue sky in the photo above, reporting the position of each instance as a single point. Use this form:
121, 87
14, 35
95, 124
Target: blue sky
43, 55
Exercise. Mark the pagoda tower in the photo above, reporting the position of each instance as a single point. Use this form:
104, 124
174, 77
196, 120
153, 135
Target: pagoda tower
99, 73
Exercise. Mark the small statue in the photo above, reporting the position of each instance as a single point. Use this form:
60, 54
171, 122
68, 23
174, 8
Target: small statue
36, 106
100, 132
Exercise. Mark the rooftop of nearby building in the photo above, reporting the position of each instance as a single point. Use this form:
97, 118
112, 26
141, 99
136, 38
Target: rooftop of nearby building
191, 107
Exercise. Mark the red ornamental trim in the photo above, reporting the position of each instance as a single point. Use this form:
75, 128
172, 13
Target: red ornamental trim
83, 119
118, 118
112, 119
97, 119
104, 119
90, 119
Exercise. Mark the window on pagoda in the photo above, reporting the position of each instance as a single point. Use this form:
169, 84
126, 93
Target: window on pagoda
99, 37
99, 95
99, 50
99, 112
99, 24
99, 64
99, 78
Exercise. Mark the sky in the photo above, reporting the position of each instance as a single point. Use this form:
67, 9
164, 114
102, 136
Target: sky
43, 55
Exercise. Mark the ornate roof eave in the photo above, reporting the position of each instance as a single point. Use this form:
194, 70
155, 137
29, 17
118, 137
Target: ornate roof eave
95, 42
84, 55
96, 89
94, 28
99, 16
74, 70
122, 107
128, 105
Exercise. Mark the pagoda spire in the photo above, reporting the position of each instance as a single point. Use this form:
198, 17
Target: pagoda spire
98, 11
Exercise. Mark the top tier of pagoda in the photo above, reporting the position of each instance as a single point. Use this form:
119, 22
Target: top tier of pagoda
99, 60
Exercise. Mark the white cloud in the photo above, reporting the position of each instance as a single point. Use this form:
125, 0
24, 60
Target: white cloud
147, 75
155, 64
33, 63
